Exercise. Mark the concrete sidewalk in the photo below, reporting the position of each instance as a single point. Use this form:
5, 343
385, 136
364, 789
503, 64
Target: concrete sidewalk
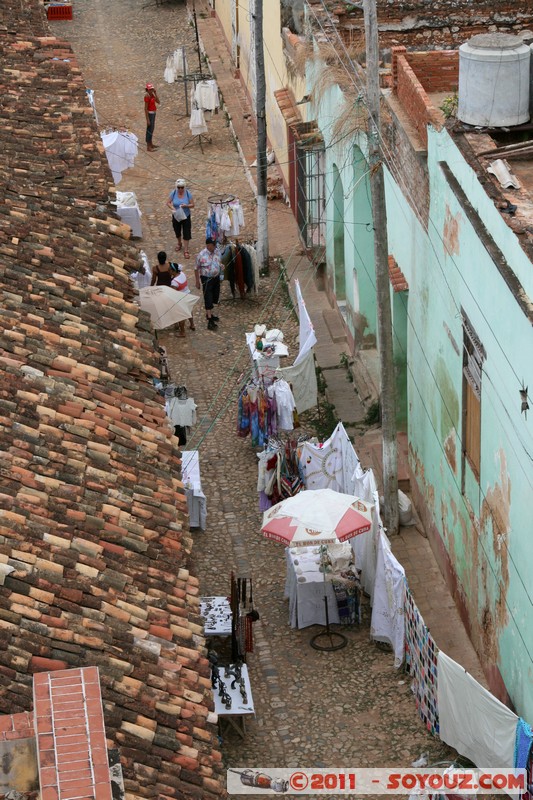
411, 546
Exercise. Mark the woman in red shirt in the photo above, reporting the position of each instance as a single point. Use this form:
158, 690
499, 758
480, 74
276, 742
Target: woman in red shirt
151, 101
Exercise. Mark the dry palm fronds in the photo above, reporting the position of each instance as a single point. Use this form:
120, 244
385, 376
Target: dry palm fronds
352, 118
303, 53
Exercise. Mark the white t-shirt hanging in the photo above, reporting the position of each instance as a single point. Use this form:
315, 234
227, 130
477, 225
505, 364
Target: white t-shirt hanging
206, 95
285, 404
225, 221
181, 412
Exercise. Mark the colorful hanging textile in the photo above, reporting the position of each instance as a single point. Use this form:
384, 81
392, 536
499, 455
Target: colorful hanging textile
421, 654
524, 740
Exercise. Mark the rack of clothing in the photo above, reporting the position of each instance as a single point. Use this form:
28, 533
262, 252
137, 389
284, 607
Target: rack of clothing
176, 65
256, 413
241, 268
181, 410
198, 128
279, 474
225, 217
196, 99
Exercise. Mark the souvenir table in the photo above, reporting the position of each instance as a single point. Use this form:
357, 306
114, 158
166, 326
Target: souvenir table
266, 362
129, 212
240, 706
216, 612
305, 589
196, 500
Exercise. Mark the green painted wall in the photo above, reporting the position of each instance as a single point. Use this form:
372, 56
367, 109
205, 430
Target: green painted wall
349, 233
484, 525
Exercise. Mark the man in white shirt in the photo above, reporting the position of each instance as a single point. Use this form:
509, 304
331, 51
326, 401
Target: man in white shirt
207, 270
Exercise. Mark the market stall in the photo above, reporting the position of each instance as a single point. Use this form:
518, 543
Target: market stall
217, 615
196, 500
129, 212
232, 695
304, 588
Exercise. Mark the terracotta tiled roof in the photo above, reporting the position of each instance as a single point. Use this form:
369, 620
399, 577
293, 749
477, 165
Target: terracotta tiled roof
396, 276
93, 531
287, 106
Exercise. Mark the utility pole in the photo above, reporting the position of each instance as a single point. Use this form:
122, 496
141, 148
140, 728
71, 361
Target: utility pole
262, 218
197, 37
381, 256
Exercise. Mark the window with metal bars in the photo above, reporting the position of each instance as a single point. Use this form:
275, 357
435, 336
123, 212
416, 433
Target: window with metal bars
311, 194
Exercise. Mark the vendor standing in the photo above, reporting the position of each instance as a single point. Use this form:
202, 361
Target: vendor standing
208, 276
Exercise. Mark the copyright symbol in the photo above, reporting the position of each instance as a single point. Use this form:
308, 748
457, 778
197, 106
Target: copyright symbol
298, 781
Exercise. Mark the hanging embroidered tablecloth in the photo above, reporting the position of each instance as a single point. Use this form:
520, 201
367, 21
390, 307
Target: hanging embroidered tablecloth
421, 659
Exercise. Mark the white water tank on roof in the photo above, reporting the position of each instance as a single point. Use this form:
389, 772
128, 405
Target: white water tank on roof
494, 80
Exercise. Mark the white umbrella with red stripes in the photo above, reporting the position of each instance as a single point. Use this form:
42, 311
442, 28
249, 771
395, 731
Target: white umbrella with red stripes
316, 517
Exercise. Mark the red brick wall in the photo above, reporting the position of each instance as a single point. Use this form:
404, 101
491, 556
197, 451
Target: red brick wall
437, 71
412, 95
421, 25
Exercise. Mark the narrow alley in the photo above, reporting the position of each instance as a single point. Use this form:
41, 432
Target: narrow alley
349, 708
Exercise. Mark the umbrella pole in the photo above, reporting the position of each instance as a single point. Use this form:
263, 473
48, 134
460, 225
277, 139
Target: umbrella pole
328, 640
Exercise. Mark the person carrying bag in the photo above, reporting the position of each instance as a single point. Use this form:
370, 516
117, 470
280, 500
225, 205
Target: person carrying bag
180, 200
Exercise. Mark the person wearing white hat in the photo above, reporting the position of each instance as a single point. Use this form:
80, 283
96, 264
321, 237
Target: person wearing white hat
180, 200
151, 101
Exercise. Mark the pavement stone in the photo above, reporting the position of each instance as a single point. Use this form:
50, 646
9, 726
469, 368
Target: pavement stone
350, 708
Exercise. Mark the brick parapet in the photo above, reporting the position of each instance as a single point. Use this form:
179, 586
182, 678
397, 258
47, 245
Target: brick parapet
436, 70
413, 97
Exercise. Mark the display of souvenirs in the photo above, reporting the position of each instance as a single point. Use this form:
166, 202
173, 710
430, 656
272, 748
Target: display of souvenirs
216, 612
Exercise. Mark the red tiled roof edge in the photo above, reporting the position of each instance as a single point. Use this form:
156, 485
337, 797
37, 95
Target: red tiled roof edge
287, 106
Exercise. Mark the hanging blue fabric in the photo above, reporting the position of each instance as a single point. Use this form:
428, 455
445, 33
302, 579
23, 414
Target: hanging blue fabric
523, 742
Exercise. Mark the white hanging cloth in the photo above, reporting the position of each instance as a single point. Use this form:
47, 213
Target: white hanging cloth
365, 548
181, 66
90, 95
285, 404
225, 220
302, 378
471, 719
169, 74
328, 466
121, 149
206, 95
307, 332
197, 122
143, 279
387, 623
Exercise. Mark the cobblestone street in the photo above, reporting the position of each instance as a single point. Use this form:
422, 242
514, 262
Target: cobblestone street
344, 709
